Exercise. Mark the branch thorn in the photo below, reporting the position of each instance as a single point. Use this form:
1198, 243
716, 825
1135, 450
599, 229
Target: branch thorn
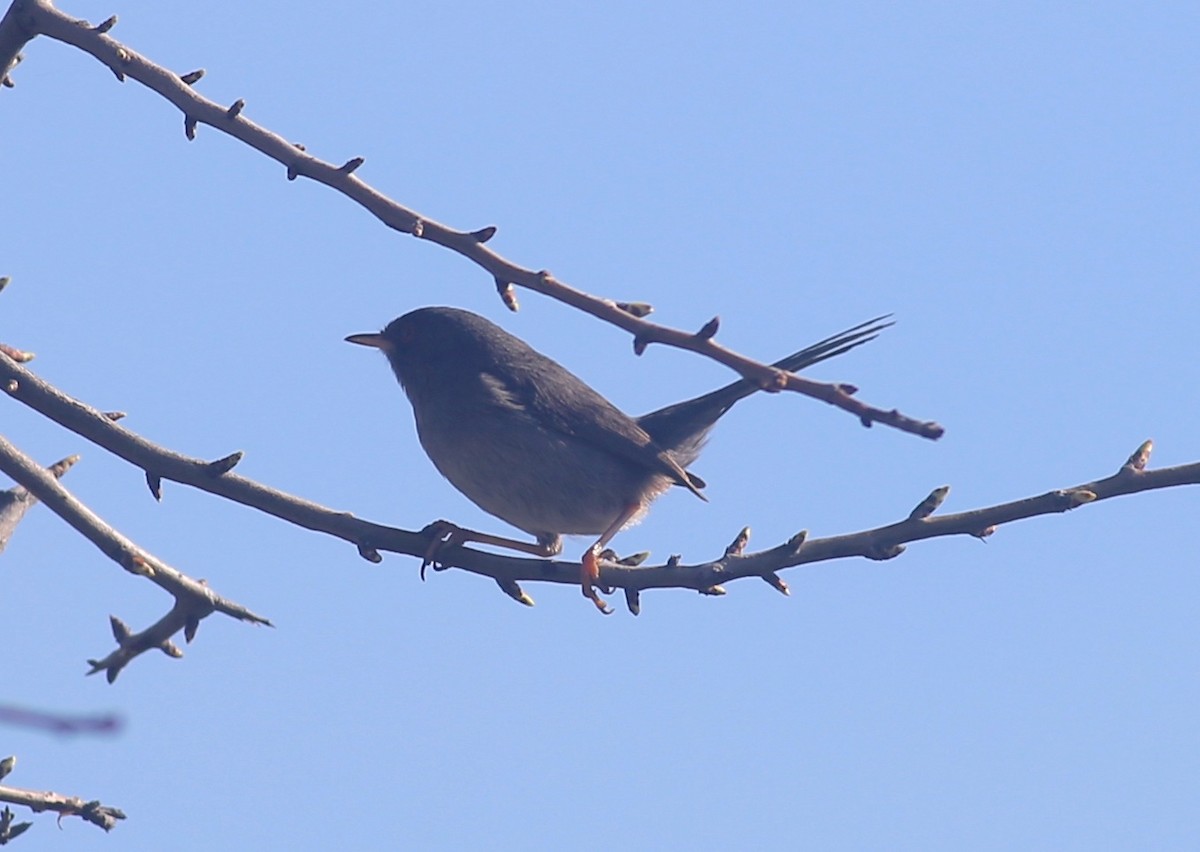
1140, 457
18, 355
120, 630
776, 582
222, 466
1079, 497
709, 329
369, 553
63, 465
510, 588
636, 309
930, 504
739, 543
139, 565
883, 552
508, 294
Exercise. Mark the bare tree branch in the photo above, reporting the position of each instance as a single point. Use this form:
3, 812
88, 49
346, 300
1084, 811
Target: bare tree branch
883, 542
215, 477
193, 599
58, 723
37, 801
14, 34
16, 501
39, 17
888, 542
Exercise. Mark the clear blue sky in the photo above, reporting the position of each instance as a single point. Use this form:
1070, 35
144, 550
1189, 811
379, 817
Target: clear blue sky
1018, 182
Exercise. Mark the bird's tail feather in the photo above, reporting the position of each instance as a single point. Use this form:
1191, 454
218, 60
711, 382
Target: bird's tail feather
682, 427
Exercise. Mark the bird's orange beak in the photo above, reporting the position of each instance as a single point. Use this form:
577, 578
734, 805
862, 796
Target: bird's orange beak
376, 340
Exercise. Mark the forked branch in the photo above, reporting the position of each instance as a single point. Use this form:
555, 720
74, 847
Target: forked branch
193, 599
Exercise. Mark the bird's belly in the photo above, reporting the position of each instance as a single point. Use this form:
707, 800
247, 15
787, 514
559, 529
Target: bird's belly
541, 481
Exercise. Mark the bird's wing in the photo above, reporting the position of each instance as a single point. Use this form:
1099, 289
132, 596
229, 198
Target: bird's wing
605, 426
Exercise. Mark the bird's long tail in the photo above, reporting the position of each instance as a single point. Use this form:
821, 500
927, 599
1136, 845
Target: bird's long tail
682, 427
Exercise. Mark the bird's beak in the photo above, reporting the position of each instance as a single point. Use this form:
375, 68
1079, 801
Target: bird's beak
376, 340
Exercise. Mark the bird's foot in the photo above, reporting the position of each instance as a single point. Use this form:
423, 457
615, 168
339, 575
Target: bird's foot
589, 578
441, 534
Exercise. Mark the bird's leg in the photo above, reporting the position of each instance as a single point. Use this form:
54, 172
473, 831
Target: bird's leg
589, 570
444, 534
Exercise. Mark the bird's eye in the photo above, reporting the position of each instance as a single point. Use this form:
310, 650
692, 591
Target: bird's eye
399, 333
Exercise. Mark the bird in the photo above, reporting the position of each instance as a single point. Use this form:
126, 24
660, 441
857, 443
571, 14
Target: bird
532, 444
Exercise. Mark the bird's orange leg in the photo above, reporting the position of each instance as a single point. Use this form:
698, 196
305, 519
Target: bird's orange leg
589, 570
443, 534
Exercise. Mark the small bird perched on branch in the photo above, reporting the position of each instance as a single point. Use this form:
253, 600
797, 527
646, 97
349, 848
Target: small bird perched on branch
527, 441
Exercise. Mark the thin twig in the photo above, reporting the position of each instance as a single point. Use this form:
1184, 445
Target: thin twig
37, 801
16, 501
14, 35
41, 17
43, 800
58, 723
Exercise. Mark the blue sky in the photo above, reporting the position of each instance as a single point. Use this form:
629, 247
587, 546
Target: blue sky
1017, 182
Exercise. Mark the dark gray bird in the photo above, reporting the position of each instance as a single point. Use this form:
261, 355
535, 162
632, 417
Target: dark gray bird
529, 442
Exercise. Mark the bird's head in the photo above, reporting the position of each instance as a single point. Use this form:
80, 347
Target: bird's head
435, 342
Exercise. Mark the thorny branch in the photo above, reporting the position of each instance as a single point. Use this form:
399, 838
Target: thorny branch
43, 800
27, 19
883, 542
193, 599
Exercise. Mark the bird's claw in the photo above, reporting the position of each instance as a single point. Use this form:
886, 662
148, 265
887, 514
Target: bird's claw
441, 534
589, 578
601, 604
